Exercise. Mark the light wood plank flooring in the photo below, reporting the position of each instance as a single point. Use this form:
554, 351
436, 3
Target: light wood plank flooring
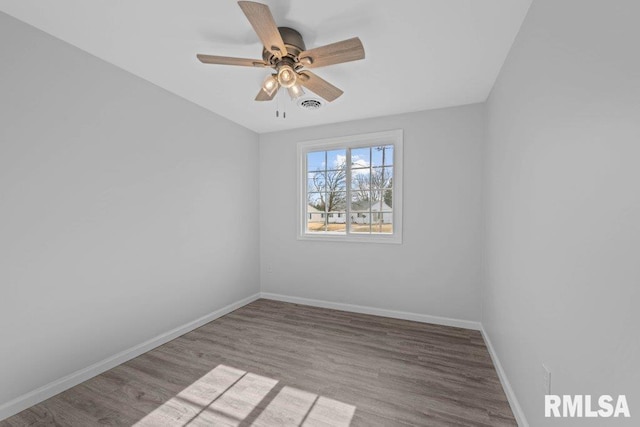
273, 363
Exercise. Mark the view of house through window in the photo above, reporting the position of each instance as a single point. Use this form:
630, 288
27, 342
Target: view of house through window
350, 190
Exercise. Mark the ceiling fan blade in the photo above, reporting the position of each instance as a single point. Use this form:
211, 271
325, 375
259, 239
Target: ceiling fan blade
335, 53
226, 60
261, 19
264, 96
319, 86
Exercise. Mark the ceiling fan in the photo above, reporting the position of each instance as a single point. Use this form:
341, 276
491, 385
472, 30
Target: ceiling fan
285, 52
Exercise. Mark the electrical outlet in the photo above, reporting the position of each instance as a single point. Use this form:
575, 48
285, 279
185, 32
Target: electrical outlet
546, 382
269, 268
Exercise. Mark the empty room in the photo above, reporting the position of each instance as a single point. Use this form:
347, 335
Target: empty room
334, 213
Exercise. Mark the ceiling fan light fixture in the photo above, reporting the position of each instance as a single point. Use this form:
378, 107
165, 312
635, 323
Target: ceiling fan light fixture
270, 84
287, 76
295, 92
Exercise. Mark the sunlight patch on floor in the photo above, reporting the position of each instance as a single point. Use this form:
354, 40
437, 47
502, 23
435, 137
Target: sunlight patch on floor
237, 402
289, 407
187, 404
226, 396
329, 412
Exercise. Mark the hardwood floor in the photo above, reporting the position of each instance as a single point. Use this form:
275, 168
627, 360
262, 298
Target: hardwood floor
272, 363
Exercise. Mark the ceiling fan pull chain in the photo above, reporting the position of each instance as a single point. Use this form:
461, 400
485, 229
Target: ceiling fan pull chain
284, 105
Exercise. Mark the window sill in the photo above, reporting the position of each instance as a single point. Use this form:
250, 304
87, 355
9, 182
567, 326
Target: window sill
329, 237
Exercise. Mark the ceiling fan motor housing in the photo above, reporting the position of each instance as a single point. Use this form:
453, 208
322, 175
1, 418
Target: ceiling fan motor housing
293, 42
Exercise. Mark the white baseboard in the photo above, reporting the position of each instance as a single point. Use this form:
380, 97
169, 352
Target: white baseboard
506, 385
424, 318
49, 390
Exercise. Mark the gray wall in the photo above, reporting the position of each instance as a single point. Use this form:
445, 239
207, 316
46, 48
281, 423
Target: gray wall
436, 270
118, 217
563, 205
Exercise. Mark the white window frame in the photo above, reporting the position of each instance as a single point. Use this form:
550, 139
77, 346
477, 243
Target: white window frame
392, 137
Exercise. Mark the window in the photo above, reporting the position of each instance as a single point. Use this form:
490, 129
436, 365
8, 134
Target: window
351, 188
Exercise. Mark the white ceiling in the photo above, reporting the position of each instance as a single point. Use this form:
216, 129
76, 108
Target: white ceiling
420, 54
